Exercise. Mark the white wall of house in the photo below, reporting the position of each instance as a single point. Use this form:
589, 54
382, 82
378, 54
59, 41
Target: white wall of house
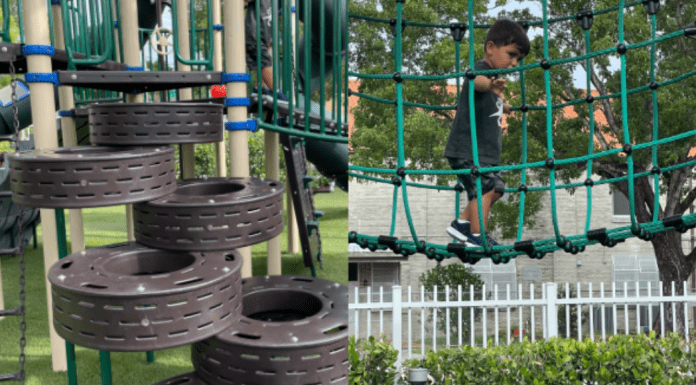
432, 211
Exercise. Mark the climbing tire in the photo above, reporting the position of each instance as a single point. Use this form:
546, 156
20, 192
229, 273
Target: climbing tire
184, 379
293, 330
138, 124
211, 214
129, 298
87, 176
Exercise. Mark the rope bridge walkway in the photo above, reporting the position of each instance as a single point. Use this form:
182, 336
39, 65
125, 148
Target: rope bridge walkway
532, 248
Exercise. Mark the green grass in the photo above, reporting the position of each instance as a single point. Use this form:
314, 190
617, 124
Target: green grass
106, 226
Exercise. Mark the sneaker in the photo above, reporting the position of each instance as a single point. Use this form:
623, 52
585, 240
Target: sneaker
459, 231
475, 241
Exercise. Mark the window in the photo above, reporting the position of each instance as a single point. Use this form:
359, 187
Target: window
375, 275
502, 275
635, 268
621, 204
352, 272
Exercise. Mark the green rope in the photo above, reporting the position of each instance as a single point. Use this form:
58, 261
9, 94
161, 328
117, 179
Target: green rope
574, 243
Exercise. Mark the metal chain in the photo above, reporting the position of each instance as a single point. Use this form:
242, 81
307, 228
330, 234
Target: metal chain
20, 246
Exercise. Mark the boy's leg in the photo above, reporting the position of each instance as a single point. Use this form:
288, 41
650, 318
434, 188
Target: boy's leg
470, 213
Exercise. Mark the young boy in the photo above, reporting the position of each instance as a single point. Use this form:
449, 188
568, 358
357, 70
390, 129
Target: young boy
506, 44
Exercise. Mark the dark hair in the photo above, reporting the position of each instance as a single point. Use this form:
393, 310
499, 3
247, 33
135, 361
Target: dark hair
505, 32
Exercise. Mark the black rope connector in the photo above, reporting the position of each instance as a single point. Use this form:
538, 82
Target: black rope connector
545, 64
524, 24
352, 237
475, 171
550, 163
401, 1
655, 170
401, 171
601, 236
621, 49
524, 108
652, 6
458, 30
470, 74
654, 85
690, 31
522, 188
420, 247
390, 242
676, 222
396, 181
458, 187
458, 249
397, 77
589, 99
350, 92
392, 25
589, 182
627, 149
585, 19
528, 248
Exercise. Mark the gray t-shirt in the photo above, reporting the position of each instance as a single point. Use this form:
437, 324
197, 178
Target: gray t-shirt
489, 116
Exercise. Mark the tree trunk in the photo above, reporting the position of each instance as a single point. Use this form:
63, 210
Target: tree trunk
674, 266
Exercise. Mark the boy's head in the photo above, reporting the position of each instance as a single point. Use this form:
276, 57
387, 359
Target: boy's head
506, 44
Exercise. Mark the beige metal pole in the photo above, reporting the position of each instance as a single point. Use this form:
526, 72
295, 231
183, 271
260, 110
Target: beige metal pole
292, 230
188, 169
67, 102
271, 147
131, 57
220, 150
235, 63
36, 31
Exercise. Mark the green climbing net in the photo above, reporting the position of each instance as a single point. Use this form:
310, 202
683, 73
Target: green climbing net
537, 248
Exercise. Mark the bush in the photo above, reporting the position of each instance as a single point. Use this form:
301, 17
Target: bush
453, 275
371, 362
621, 360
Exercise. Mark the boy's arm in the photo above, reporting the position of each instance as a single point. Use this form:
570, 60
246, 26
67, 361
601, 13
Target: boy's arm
482, 83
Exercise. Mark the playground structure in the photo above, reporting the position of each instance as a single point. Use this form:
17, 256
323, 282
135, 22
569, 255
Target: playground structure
627, 147
188, 277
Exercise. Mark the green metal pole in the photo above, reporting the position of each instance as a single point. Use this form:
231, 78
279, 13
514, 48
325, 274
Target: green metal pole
105, 367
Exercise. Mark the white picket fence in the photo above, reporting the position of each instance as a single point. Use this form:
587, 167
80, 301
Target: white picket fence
403, 311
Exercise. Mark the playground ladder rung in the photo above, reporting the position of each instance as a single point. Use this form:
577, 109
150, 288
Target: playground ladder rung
16, 376
12, 251
14, 311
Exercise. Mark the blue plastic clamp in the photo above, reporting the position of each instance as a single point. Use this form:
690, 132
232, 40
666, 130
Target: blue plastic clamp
236, 102
66, 113
235, 77
36, 49
39, 77
55, 2
134, 68
249, 125
218, 27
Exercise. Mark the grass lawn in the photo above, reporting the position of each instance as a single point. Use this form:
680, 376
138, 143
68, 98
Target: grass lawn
106, 226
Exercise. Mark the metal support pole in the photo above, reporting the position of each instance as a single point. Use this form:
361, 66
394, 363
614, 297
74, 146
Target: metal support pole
131, 57
220, 150
36, 27
67, 102
272, 164
551, 310
293, 230
188, 169
234, 63
396, 326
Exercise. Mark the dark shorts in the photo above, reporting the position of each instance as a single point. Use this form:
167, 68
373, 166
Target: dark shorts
250, 35
489, 180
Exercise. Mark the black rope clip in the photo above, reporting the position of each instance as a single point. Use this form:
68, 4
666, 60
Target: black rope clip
601, 236
459, 250
458, 30
676, 222
585, 19
390, 242
528, 248
392, 26
652, 6
690, 31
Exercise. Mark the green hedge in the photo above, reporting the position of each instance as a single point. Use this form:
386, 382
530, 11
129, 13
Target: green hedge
621, 360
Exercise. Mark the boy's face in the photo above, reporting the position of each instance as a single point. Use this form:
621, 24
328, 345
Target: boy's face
504, 56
